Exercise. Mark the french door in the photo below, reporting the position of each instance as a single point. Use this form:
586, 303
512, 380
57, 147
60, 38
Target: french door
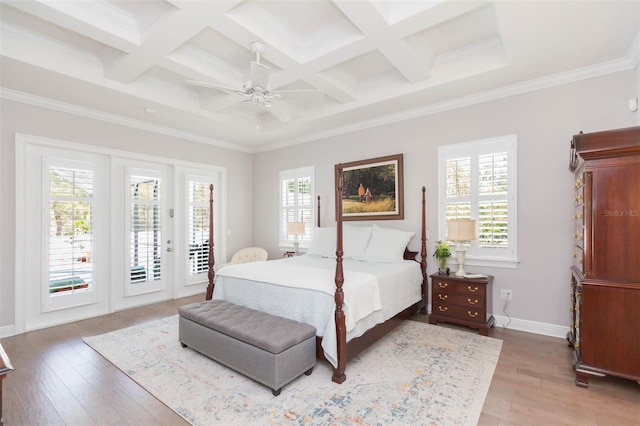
64, 238
142, 230
99, 232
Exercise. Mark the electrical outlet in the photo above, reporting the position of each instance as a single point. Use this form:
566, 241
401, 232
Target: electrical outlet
506, 295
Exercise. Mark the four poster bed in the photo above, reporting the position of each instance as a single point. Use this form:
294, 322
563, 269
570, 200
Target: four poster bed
352, 303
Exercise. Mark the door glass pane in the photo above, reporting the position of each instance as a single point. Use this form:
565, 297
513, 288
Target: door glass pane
70, 230
145, 225
197, 226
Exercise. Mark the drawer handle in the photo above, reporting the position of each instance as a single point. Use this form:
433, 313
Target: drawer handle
472, 302
443, 285
472, 315
442, 308
473, 289
443, 296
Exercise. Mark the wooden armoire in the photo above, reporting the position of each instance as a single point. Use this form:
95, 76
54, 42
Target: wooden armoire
605, 277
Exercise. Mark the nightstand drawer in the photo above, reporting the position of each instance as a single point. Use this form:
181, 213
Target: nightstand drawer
472, 314
468, 287
458, 299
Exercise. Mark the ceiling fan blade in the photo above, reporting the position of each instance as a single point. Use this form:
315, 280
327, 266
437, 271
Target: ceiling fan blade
280, 113
213, 86
299, 95
259, 75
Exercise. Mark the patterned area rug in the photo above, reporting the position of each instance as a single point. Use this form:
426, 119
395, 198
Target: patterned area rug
418, 374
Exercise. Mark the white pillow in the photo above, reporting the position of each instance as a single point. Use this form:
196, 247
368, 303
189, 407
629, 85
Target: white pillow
386, 245
323, 242
355, 240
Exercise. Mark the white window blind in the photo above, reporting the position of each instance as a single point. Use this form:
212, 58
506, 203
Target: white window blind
70, 230
198, 224
296, 203
478, 181
145, 226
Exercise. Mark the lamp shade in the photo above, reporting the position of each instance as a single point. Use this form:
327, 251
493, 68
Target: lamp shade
461, 230
295, 228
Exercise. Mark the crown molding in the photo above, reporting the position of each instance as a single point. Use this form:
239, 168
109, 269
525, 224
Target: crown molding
41, 102
630, 61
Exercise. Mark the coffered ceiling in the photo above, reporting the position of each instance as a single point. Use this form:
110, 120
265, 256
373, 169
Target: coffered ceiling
372, 61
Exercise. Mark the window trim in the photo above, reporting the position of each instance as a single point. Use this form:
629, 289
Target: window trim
283, 242
475, 149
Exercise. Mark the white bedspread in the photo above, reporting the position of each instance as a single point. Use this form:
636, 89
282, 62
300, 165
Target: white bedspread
361, 295
302, 288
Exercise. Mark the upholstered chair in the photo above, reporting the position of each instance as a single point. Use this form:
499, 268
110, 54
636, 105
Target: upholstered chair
245, 255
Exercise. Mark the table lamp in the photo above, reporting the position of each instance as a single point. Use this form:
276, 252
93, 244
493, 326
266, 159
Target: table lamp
295, 229
461, 230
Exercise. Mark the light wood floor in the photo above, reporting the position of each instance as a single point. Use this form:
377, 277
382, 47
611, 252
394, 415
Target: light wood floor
61, 381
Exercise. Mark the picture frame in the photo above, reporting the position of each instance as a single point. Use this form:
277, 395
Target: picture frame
372, 189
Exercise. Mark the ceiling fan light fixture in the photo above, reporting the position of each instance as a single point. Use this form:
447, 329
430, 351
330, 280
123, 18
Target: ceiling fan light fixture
257, 89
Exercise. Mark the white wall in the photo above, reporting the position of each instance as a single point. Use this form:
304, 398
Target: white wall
21, 118
544, 121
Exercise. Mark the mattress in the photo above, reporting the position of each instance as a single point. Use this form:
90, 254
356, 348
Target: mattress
302, 288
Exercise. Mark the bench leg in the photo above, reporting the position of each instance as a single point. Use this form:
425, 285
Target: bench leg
276, 392
183, 345
308, 372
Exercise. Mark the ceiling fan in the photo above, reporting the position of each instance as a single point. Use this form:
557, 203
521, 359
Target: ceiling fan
257, 90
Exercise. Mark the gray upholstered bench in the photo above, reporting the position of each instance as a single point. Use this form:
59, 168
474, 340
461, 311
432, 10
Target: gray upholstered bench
269, 349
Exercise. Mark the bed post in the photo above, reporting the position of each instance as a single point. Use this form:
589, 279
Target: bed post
341, 332
423, 255
211, 261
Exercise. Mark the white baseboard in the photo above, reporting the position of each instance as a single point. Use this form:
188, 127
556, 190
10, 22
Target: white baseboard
531, 326
7, 331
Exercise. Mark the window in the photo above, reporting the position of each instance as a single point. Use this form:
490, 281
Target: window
296, 204
198, 224
70, 228
65, 230
477, 180
145, 227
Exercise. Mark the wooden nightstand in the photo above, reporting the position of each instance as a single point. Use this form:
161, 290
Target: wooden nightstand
465, 301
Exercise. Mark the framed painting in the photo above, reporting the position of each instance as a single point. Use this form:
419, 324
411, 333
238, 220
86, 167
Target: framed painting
372, 189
